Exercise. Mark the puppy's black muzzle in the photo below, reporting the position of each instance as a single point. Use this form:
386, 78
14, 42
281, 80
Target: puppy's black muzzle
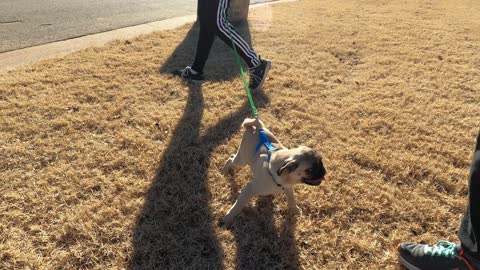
313, 182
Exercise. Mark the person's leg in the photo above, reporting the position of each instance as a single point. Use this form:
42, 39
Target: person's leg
258, 67
469, 233
212, 19
445, 255
204, 44
206, 35
224, 30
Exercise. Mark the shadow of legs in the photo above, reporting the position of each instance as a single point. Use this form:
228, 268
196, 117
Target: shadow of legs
173, 230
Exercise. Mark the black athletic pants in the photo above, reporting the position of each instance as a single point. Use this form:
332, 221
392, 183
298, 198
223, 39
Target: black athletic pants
212, 19
469, 233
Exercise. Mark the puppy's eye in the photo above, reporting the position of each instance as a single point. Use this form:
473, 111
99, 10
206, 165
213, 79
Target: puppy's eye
309, 171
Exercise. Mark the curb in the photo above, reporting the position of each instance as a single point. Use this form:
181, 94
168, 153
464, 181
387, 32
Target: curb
13, 59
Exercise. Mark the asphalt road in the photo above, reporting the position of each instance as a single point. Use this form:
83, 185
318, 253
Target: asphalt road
26, 23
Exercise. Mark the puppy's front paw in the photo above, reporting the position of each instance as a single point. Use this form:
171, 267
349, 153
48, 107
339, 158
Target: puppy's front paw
295, 211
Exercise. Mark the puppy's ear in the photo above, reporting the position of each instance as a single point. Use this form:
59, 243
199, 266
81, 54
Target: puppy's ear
289, 166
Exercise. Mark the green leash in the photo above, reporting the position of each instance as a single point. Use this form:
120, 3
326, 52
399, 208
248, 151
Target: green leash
250, 99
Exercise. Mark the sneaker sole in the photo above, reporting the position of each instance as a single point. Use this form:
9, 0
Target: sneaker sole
267, 69
194, 81
188, 80
406, 264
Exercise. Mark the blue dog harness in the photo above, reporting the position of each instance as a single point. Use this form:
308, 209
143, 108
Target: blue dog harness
265, 141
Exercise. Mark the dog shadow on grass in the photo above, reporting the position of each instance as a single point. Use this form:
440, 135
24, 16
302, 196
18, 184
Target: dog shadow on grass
174, 230
260, 245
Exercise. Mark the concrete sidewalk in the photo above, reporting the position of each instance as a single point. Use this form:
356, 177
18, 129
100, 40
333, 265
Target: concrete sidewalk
12, 59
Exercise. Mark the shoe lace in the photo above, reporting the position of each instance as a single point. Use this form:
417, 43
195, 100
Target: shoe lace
253, 77
461, 257
442, 248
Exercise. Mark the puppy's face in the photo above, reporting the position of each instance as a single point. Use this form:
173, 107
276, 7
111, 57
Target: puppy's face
305, 167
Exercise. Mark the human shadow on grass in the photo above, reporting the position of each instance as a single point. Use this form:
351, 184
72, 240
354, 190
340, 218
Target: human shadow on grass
174, 230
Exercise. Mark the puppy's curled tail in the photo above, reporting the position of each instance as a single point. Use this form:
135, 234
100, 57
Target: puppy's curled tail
250, 123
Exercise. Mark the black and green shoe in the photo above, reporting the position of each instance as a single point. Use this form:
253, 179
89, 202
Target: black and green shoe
259, 74
442, 256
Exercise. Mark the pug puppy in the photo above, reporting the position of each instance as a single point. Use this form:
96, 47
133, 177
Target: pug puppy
273, 171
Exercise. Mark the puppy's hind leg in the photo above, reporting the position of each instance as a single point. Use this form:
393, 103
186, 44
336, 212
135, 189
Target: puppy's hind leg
239, 159
228, 165
234, 160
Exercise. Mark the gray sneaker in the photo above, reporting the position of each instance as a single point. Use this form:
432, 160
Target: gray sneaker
442, 256
189, 74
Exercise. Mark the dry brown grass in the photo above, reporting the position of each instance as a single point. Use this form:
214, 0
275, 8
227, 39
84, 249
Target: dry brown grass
107, 163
